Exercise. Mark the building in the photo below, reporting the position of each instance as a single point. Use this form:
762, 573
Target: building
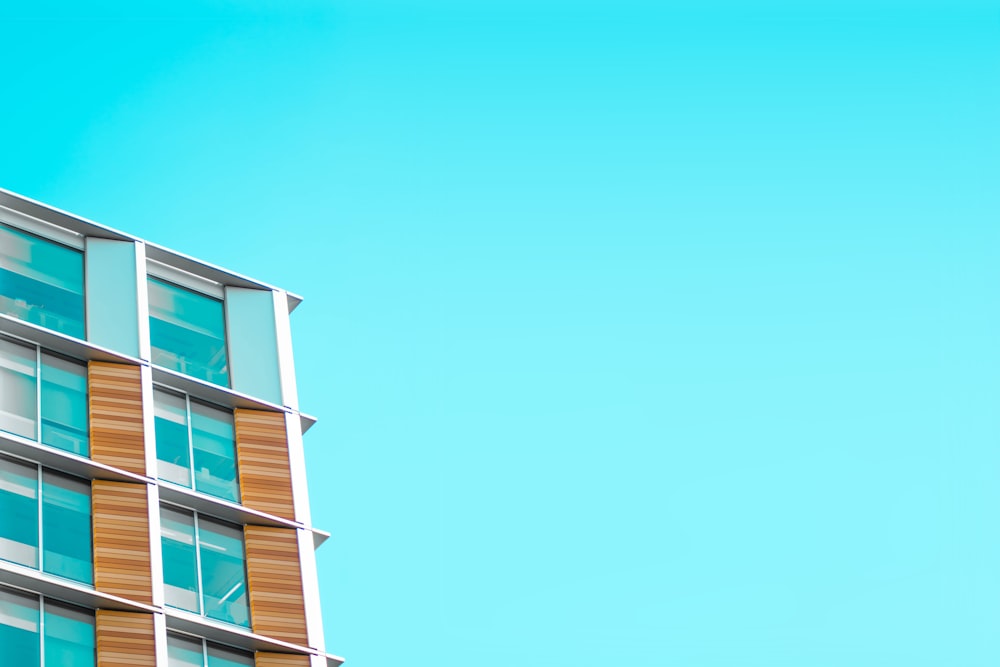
153, 502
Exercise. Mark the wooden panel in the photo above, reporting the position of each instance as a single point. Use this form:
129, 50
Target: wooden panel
116, 426
125, 638
280, 660
277, 608
262, 459
121, 540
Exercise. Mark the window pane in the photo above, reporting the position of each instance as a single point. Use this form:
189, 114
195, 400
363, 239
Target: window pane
172, 438
180, 565
66, 531
64, 405
69, 636
214, 443
18, 512
184, 652
188, 332
223, 572
224, 657
41, 282
19, 629
18, 394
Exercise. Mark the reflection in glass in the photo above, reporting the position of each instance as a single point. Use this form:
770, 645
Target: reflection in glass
184, 652
41, 282
69, 636
213, 440
64, 405
66, 527
18, 393
223, 567
180, 561
18, 512
223, 657
19, 617
172, 449
188, 332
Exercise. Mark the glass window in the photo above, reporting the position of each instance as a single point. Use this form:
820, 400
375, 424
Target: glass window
188, 332
19, 621
196, 652
69, 636
18, 391
41, 282
19, 512
68, 633
204, 566
65, 540
62, 397
180, 559
64, 405
195, 441
66, 527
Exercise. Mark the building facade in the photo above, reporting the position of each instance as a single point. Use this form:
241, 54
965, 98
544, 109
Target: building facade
153, 500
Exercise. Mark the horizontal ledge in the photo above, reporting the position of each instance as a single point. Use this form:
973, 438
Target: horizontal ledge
226, 633
48, 339
57, 459
35, 581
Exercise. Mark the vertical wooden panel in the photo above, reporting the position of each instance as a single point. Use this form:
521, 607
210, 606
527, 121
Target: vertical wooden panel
116, 426
262, 459
125, 638
121, 540
277, 607
280, 660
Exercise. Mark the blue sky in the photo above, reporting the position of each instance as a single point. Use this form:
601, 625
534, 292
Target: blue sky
640, 333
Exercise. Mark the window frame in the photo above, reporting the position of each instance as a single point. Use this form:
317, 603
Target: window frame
40, 353
199, 580
188, 400
208, 289
41, 598
65, 239
40, 506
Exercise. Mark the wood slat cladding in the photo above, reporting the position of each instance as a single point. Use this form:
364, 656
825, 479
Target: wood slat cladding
274, 580
262, 459
125, 638
117, 436
280, 660
121, 540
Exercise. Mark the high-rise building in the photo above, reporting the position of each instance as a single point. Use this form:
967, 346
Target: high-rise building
153, 502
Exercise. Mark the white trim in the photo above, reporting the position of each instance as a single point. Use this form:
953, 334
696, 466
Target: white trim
160, 638
297, 469
148, 419
46, 230
185, 279
286, 360
142, 290
310, 590
155, 546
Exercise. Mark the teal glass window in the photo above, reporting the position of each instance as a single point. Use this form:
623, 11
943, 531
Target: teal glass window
204, 566
41, 282
19, 512
18, 388
69, 636
66, 527
20, 616
61, 397
183, 651
66, 641
195, 443
64, 405
180, 559
188, 332
45, 521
